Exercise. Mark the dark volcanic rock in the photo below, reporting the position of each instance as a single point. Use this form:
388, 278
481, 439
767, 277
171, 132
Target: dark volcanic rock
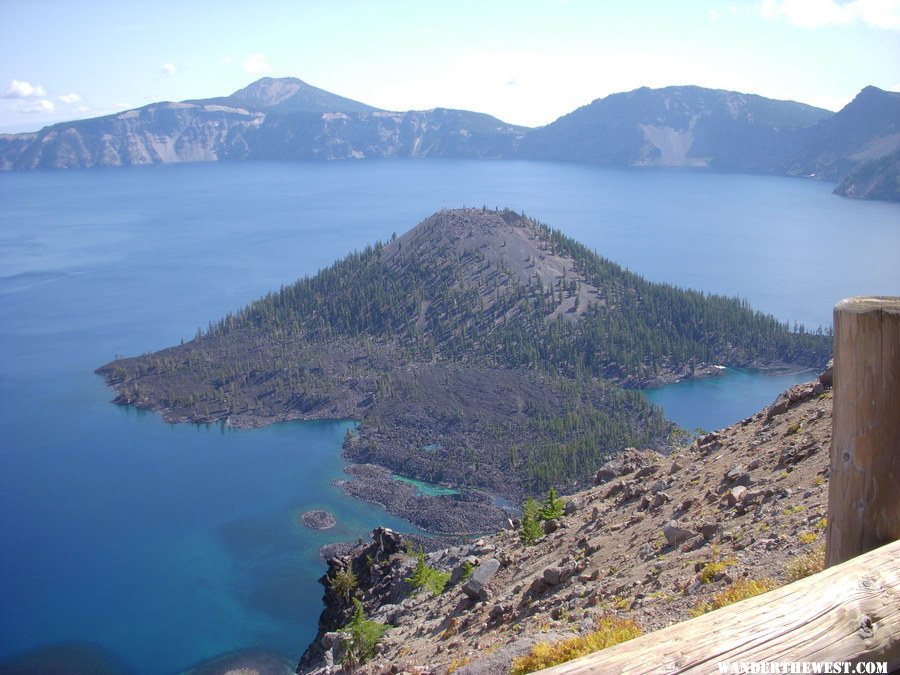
467, 513
476, 585
318, 520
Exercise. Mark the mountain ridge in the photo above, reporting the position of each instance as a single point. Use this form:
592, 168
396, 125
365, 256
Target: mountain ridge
285, 95
286, 118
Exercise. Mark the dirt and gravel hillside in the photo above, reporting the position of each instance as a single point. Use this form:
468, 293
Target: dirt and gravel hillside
654, 540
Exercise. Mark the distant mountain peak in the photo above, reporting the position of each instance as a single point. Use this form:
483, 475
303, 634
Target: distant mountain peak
270, 91
291, 95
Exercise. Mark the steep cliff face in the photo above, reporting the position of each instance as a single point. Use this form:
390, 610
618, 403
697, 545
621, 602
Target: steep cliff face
875, 179
656, 540
339, 135
158, 133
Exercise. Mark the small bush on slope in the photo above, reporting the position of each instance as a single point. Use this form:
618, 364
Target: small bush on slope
610, 631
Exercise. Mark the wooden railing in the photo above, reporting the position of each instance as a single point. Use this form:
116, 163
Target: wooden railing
864, 485
850, 612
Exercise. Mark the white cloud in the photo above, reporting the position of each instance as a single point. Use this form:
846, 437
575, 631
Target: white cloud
817, 13
168, 68
69, 98
82, 109
22, 89
120, 105
256, 64
35, 107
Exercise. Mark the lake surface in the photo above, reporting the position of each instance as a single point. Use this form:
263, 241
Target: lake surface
167, 545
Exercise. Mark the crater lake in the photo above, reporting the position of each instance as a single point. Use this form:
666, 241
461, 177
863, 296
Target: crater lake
153, 548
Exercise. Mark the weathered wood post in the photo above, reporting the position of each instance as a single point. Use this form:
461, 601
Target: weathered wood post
864, 487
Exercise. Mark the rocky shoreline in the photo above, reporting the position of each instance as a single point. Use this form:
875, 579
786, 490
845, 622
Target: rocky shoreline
470, 512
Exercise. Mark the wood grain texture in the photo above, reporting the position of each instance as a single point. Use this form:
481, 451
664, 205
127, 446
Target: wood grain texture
864, 486
849, 612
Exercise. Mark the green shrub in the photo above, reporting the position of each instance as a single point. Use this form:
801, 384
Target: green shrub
467, 570
805, 565
739, 590
424, 576
553, 506
711, 570
531, 529
610, 631
364, 636
344, 582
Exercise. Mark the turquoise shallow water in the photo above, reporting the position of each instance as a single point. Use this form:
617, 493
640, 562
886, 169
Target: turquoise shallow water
167, 545
426, 488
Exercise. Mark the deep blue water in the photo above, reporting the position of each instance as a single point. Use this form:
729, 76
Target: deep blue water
167, 545
712, 403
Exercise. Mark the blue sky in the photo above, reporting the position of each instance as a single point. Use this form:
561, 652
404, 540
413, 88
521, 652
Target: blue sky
525, 61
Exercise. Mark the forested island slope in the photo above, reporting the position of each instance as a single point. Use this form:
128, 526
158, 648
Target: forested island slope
481, 349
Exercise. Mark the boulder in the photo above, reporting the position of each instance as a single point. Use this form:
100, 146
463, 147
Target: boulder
335, 645
693, 543
709, 530
826, 377
476, 585
648, 470
779, 406
630, 460
468, 562
538, 586
552, 576
614, 489
709, 442
659, 499
499, 610
675, 533
386, 542
736, 494
734, 473
551, 526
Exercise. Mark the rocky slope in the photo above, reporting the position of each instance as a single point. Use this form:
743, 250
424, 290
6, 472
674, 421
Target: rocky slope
866, 130
653, 540
287, 118
875, 179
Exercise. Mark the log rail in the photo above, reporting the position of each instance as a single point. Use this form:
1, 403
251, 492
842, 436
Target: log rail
850, 613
